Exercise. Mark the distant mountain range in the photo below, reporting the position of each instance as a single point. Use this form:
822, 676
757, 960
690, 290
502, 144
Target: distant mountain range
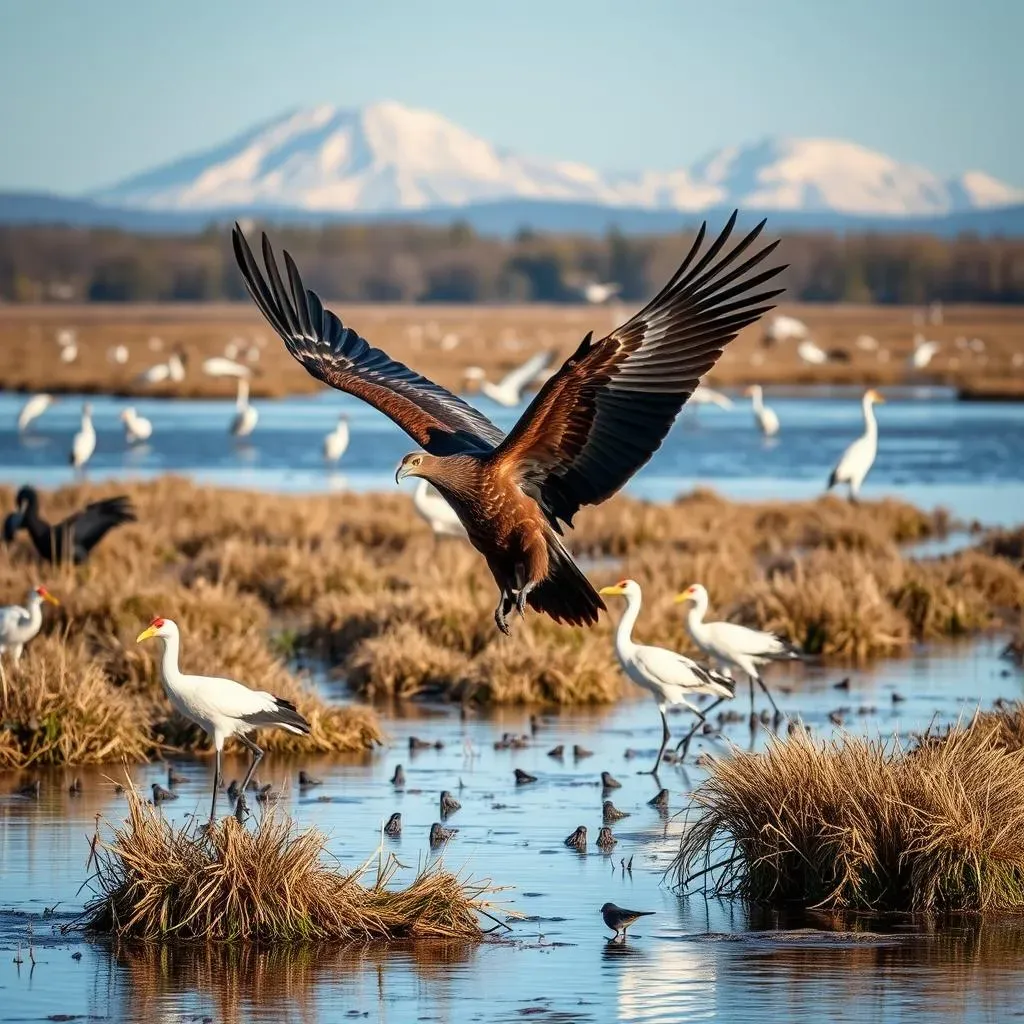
392, 162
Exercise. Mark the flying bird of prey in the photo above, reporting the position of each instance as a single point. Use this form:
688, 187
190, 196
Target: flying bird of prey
592, 425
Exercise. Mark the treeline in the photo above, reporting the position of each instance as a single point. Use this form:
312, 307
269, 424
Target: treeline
404, 263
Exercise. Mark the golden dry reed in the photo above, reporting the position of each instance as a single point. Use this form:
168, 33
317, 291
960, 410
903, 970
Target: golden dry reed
863, 825
271, 884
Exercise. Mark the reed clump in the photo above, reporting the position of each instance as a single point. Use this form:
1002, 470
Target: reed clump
272, 884
861, 824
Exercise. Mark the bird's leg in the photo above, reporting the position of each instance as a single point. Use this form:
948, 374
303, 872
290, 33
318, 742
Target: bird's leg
702, 717
505, 604
750, 680
216, 786
665, 736
767, 693
257, 756
524, 593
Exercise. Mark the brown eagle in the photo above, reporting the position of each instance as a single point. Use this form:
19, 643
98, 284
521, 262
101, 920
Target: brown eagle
586, 432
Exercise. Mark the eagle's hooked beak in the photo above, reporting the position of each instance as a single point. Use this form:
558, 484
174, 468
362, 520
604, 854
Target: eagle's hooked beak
406, 468
149, 631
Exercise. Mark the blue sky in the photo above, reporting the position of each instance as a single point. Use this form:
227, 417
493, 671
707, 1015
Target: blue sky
91, 92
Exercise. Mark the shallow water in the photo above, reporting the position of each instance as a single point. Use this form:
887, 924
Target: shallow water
694, 960
933, 450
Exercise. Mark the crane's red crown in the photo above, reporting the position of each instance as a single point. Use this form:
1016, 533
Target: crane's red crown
157, 623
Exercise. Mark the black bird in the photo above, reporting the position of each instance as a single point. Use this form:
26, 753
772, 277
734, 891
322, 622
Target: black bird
449, 805
266, 794
605, 839
75, 789
610, 813
524, 778
579, 752
608, 781
31, 790
394, 825
174, 777
619, 919
306, 780
439, 835
558, 751
398, 779
161, 795
660, 801
578, 840
73, 538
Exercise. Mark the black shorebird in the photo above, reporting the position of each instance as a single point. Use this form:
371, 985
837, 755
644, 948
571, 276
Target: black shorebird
439, 835
394, 825
610, 813
578, 840
605, 839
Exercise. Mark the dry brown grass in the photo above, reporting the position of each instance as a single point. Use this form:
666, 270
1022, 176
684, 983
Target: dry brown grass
267, 885
863, 825
496, 338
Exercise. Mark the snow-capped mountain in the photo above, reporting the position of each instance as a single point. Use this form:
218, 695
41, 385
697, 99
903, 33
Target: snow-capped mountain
387, 157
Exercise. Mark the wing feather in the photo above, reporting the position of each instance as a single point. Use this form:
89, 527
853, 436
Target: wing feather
609, 407
431, 415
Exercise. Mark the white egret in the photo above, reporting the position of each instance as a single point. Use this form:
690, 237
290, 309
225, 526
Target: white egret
222, 366
83, 444
735, 647
222, 708
19, 625
597, 293
857, 460
117, 354
509, 390
336, 442
69, 353
33, 409
136, 428
669, 676
767, 421
783, 328
442, 519
246, 417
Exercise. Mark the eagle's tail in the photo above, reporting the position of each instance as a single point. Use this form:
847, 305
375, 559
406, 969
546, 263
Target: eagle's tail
565, 594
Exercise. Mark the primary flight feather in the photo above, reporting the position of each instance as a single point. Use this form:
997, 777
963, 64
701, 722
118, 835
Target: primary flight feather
587, 431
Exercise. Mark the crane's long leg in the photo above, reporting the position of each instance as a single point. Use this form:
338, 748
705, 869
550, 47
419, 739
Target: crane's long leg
257, 756
216, 786
750, 680
767, 693
702, 717
665, 737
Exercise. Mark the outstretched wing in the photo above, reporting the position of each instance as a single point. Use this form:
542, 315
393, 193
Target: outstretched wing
89, 526
431, 415
609, 407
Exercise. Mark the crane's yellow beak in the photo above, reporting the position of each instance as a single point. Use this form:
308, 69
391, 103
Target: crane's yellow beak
877, 398
683, 597
146, 634
615, 591
47, 596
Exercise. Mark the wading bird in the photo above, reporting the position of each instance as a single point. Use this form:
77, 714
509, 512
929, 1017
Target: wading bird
161, 373
83, 444
588, 430
735, 647
924, 352
783, 328
767, 421
509, 390
619, 919
704, 395
811, 354
222, 366
32, 410
858, 459
73, 538
136, 428
20, 624
436, 511
669, 676
246, 417
336, 442
222, 708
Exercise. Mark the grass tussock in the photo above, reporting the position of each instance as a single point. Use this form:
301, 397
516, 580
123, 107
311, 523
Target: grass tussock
859, 824
271, 884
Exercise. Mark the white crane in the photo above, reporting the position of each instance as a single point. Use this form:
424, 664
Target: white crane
703, 395
336, 442
69, 353
83, 444
811, 354
597, 293
159, 373
509, 390
432, 507
220, 707
767, 421
244, 421
136, 428
33, 409
733, 647
669, 676
857, 460
924, 352
222, 366
117, 354
20, 624
783, 328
